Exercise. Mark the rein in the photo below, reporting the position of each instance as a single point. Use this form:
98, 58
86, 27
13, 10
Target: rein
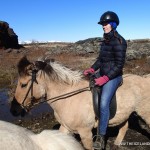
63, 96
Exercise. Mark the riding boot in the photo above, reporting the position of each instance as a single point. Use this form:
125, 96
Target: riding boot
99, 144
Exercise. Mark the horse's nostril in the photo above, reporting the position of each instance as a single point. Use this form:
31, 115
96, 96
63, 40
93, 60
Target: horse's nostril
14, 113
16, 109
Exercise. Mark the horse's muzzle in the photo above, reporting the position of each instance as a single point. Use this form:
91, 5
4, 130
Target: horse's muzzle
16, 108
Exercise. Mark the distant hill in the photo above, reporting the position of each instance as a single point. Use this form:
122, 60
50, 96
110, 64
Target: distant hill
136, 48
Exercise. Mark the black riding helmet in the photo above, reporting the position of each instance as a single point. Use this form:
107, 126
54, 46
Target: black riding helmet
109, 16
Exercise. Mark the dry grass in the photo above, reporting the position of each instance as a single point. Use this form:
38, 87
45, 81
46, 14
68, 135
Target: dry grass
74, 61
139, 67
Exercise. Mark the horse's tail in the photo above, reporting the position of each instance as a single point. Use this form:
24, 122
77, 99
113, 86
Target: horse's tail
55, 140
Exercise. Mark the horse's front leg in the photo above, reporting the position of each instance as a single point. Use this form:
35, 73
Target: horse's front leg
86, 138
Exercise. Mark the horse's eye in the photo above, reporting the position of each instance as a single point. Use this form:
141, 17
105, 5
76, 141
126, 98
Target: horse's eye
23, 85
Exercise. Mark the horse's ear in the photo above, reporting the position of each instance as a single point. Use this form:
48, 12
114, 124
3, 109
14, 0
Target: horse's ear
40, 65
23, 64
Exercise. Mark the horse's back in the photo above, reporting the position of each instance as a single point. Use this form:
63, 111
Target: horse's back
55, 140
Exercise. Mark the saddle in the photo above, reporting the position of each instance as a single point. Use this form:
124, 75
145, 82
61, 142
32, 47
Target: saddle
96, 95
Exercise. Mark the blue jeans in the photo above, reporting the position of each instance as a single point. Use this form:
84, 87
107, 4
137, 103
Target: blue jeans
108, 91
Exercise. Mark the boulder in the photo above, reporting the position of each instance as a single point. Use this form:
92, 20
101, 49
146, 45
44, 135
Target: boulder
8, 38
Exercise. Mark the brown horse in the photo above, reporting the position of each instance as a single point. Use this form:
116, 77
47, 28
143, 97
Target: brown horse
74, 111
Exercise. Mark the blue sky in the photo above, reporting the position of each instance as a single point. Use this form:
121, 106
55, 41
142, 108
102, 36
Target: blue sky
73, 20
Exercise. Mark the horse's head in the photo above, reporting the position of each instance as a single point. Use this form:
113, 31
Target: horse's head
37, 80
30, 87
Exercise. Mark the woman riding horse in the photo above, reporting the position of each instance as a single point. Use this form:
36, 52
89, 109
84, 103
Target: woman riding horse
110, 63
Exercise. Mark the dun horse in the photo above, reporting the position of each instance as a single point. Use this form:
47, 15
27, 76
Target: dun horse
18, 138
75, 113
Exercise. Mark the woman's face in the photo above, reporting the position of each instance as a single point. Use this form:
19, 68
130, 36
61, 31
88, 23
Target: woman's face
106, 27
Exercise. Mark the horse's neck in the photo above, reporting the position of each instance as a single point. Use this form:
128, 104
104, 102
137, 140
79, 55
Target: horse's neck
57, 89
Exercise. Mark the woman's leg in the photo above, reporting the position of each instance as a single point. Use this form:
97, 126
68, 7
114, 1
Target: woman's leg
108, 90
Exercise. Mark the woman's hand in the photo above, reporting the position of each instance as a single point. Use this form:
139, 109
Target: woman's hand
101, 81
90, 70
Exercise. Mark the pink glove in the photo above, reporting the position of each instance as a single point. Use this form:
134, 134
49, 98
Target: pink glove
102, 80
90, 70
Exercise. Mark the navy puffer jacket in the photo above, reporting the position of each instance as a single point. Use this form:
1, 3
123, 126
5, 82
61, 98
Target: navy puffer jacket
112, 55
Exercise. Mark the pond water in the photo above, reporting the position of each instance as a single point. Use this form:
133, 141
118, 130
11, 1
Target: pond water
5, 108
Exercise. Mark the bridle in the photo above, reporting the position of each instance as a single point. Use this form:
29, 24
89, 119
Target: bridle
33, 79
33, 99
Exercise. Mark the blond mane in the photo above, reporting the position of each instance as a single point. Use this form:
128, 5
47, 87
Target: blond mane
58, 72
66, 74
